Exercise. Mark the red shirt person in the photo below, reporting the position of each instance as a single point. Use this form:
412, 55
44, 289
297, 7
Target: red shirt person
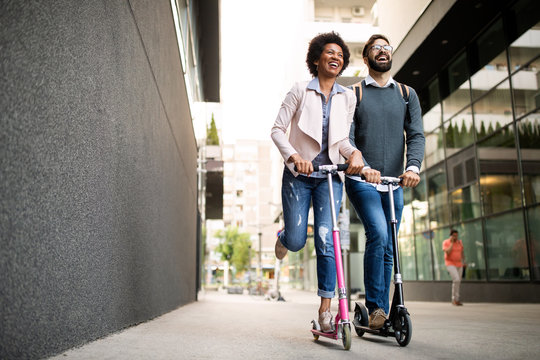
454, 259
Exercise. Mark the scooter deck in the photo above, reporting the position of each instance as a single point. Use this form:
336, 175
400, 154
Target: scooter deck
381, 332
330, 335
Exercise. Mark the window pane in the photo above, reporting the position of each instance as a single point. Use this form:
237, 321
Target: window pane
407, 217
461, 169
529, 141
407, 260
491, 58
534, 238
430, 97
473, 247
493, 111
489, 76
437, 197
420, 205
525, 84
458, 87
499, 181
459, 132
423, 255
465, 203
458, 74
526, 49
438, 260
434, 148
458, 100
432, 118
499, 192
505, 245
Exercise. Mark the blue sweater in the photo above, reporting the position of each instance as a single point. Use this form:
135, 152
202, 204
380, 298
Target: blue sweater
378, 129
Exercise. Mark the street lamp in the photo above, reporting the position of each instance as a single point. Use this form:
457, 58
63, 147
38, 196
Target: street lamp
249, 270
260, 263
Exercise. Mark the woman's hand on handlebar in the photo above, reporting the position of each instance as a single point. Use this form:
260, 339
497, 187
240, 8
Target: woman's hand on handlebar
355, 162
410, 179
372, 175
302, 166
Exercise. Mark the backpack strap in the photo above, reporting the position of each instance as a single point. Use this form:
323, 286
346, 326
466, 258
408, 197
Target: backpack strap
358, 91
404, 91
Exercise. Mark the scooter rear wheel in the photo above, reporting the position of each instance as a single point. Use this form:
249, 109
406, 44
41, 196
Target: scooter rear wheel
403, 328
314, 327
346, 336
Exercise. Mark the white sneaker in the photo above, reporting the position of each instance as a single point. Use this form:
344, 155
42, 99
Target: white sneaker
325, 321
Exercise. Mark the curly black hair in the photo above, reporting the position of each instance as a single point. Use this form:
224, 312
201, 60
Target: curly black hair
316, 47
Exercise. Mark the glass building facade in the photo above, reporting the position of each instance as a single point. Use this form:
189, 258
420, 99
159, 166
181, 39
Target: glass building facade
481, 171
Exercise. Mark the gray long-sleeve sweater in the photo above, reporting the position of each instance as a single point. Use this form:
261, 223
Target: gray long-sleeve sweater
378, 129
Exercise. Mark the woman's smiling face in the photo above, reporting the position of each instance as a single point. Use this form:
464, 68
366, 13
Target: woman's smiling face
331, 61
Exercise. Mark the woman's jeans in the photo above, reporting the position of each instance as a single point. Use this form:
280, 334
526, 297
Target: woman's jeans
373, 208
297, 193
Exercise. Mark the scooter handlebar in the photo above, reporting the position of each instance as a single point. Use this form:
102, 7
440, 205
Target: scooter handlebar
388, 180
328, 168
391, 180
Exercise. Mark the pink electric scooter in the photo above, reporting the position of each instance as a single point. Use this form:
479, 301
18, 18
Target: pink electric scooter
343, 328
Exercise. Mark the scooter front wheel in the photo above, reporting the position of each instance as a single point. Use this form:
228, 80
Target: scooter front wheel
403, 328
361, 318
346, 336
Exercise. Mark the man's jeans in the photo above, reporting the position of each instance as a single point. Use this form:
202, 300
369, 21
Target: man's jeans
373, 208
297, 193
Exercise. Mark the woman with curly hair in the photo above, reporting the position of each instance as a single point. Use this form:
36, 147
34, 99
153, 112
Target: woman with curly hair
319, 113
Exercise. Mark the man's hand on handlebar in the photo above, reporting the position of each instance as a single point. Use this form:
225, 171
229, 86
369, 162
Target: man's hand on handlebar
302, 166
372, 175
355, 162
410, 179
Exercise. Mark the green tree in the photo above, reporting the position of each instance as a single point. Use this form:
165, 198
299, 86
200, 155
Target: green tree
450, 136
482, 132
465, 136
234, 247
212, 137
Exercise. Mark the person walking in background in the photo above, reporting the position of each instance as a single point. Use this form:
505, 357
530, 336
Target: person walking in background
454, 259
319, 113
381, 118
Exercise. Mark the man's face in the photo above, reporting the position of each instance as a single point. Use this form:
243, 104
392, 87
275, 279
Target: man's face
378, 58
455, 236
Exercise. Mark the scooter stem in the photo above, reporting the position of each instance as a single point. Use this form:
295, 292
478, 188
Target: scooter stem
398, 292
342, 291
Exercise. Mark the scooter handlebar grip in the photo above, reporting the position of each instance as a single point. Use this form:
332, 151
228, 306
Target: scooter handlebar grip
338, 167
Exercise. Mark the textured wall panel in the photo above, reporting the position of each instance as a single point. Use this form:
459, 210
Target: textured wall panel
97, 172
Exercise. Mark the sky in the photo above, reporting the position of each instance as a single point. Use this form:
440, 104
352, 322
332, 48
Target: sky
263, 47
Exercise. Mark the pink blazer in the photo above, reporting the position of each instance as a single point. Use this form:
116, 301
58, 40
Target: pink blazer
302, 110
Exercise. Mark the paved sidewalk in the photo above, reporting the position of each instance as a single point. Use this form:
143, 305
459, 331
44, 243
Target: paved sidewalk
226, 326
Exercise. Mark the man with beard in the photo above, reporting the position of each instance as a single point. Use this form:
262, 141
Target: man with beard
381, 118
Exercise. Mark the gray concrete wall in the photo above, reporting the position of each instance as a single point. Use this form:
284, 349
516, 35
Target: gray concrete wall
97, 172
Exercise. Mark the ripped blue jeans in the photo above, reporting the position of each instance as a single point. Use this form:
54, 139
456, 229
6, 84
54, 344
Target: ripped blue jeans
297, 193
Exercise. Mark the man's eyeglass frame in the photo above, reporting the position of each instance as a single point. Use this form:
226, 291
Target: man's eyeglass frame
378, 48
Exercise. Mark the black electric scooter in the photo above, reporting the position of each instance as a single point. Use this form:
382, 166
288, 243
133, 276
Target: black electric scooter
398, 323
